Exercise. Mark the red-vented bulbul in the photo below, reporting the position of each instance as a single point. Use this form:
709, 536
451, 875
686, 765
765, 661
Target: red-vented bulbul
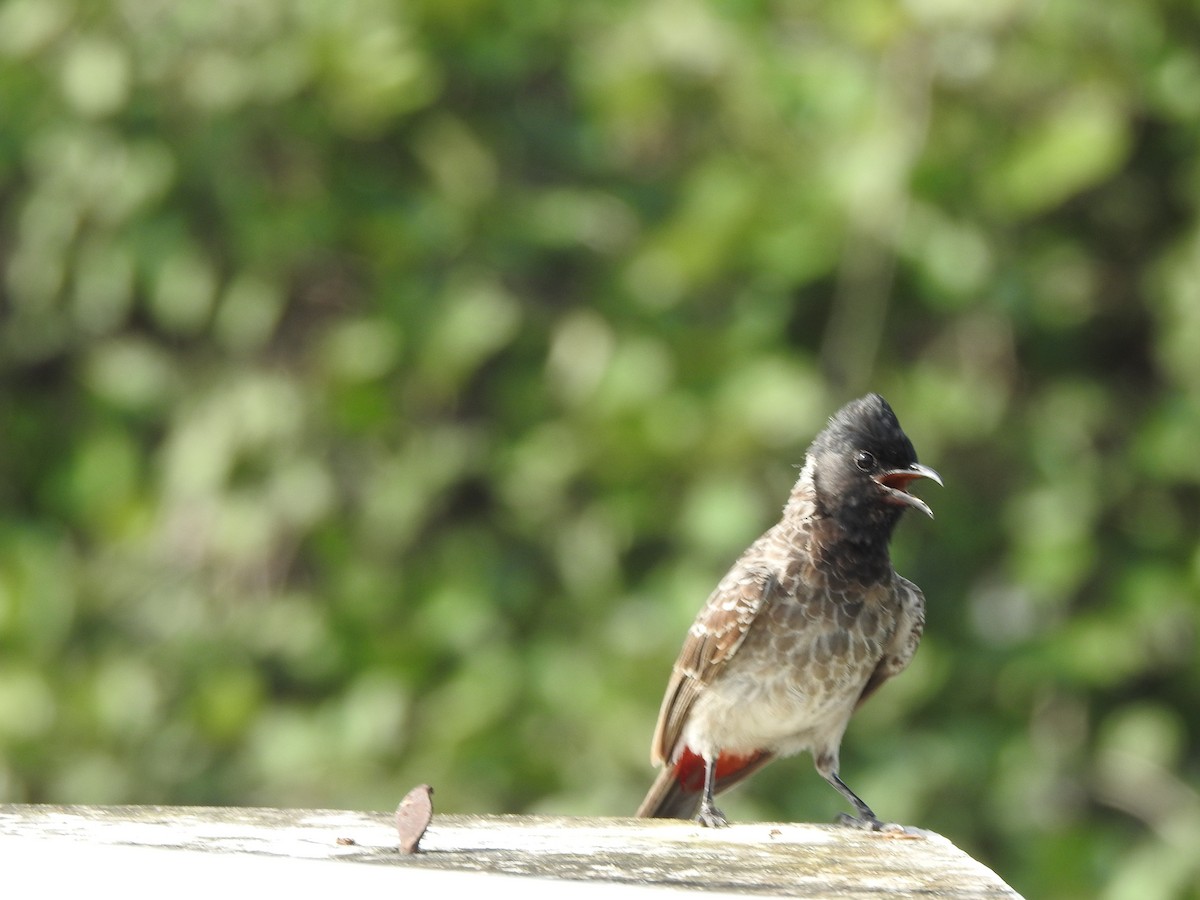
806, 625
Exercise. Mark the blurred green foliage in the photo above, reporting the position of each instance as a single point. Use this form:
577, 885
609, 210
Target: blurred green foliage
385, 385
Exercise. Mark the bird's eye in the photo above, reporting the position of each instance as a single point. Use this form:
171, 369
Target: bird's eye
864, 460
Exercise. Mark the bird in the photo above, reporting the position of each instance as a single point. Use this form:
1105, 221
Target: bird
806, 625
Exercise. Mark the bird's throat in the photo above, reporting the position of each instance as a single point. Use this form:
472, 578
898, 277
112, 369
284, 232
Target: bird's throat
849, 555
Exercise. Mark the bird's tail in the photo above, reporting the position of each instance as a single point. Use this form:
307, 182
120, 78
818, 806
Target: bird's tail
676, 791
668, 798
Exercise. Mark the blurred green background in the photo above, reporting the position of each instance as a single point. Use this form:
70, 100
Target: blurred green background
384, 386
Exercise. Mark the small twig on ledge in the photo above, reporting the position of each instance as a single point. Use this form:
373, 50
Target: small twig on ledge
412, 817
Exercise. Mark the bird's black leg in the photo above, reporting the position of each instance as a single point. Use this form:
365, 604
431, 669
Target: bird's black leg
866, 818
708, 815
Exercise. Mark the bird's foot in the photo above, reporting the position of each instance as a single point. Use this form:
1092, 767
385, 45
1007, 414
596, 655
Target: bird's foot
866, 822
888, 829
711, 817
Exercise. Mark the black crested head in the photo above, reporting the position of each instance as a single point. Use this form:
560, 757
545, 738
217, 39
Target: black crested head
861, 466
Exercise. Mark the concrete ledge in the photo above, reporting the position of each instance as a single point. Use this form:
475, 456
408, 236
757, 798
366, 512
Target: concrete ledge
60, 848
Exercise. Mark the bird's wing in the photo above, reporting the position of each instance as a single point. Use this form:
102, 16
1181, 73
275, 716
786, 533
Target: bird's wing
903, 644
715, 635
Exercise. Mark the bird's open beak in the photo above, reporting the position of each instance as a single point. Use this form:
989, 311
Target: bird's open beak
895, 485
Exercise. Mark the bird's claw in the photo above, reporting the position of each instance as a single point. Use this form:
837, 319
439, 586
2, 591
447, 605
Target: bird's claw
711, 817
863, 823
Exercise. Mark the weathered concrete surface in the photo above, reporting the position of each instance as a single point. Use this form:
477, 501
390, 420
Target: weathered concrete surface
625, 856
